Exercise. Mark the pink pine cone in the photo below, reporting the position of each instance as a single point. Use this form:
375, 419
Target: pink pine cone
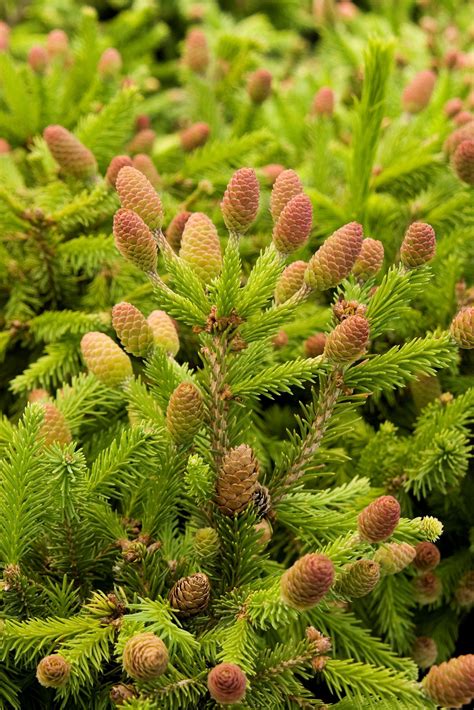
379, 519
462, 328
38, 58
323, 102
115, 166
54, 429
452, 107
239, 205
134, 240
131, 327
286, 186
464, 133
315, 344
417, 94
290, 281
145, 165
463, 161
259, 85
418, 246
164, 331
294, 225
370, 259
196, 51
305, 583
335, 259
110, 62
227, 683
105, 359
195, 136
73, 158
174, 233
200, 246
142, 142
348, 341
272, 171
138, 194
57, 43
394, 557
451, 684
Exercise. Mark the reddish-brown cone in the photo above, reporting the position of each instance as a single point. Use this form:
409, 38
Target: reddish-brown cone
290, 281
142, 142
194, 137
323, 102
227, 683
370, 259
110, 62
348, 341
134, 240
418, 246
294, 225
417, 94
462, 328
237, 480
427, 556
138, 194
424, 651
133, 330
463, 161
286, 186
175, 229
379, 519
145, 165
315, 344
427, 588
305, 583
191, 595
259, 85
115, 166
451, 684
73, 158
38, 58
196, 51
335, 259
239, 205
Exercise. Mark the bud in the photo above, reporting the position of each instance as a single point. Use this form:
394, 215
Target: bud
280, 340
240, 203
196, 51
272, 171
145, 165
370, 259
463, 161
134, 240
38, 395
200, 246
110, 62
463, 118
4, 146
394, 557
294, 225
424, 651
145, 656
418, 246
133, 331
305, 583
290, 281
452, 107
427, 588
464, 593
451, 684
115, 166
462, 328
38, 58
342, 309
142, 142
379, 519
185, 413
259, 85
55, 429
315, 344
227, 683
359, 579
194, 137
53, 671
348, 341
335, 259
206, 543
105, 359
287, 185
138, 194
236, 480
425, 389
175, 229
323, 102
4, 36
164, 331
191, 595
417, 94
142, 121
73, 158
57, 43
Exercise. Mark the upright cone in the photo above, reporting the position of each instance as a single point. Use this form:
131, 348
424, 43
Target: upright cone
164, 331
335, 259
191, 595
462, 328
185, 413
286, 186
418, 246
134, 240
359, 578
54, 429
105, 359
379, 519
451, 684
133, 330
237, 480
74, 158
138, 194
305, 583
348, 341
200, 247
240, 202
290, 281
145, 656
294, 224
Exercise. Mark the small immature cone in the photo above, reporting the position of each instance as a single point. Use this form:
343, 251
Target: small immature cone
105, 359
379, 519
142, 142
370, 259
305, 583
239, 205
425, 389
54, 429
286, 186
464, 133
145, 656
134, 240
4, 146
462, 328
4, 36
427, 588
194, 137
424, 651
418, 246
57, 43
110, 63
315, 344
323, 102
200, 246
145, 165
142, 121
185, 413
73, 158
464, 593
38, 58
227, 683
237, 480
294, 225
261, 500
335, 259
115, 166
359, 579
38, 395
53, 671
272, 171
259, 85
394, 557
196, 51
175, 229
164, 331
206, 543
463, 117
451, 684
191, 595
417, 94
290, 281
452, 107
133, 330
138, 194
348, 341
463, 161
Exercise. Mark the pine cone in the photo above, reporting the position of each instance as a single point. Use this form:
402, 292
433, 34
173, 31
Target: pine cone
424, 651
146, 166
196, 51
54, 429
5, 146
287, 185
4, 36
121, 693
264, 530
164, 331
237, 480
142, 142
379, 519
133, 330
290, 281
105, 359
463, 161
259, 85
261, 500
73, 158
418, 246
53, 671
175, 229
425, 389
462, 328
315, 344
240, 203
463, 118
200, 247
370, 259
185, 413
451, 684
194, 137
427, 556
359, 579
191, 595
464, 133
452, 107
427, 588
272, 171
227, 683
110, 63
38, 59
134, 240
206, 543
294, 224
465, 590
145, 656
57, 43
335, 259
417, 94
394, 557
348, 341
138, 194
305, 583
115, 166
323, 102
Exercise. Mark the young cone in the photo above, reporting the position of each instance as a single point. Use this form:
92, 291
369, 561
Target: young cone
185, 413
451, 684
427, 556
286, 186
110, 63
335, 259
464, 593
145, 656
272, 171
134, 240
57, 43
195, 136
54, 429
115, 166
191, 595
305, 583
424, 651
206, 543
463, 161
240, 202
73, 158
323, 102
259, 85
38, 58
417, 94
464, 133
418, 246
427, 588
196, 51
200, 246
290, 281
394, 557
138, 194
294, 224
348, 341
146, 166
142, 142
53, 671
462, 328
379, 519
164, 331
359, 579
175, 230
370, 260
315, 344
133, 331
227, 683
105, 359
237, 480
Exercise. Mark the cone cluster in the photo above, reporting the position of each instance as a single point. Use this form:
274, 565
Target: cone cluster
145, 656
237, 480
191, 595
105, 359
305, 583
379, 519
335, 259
239, 205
